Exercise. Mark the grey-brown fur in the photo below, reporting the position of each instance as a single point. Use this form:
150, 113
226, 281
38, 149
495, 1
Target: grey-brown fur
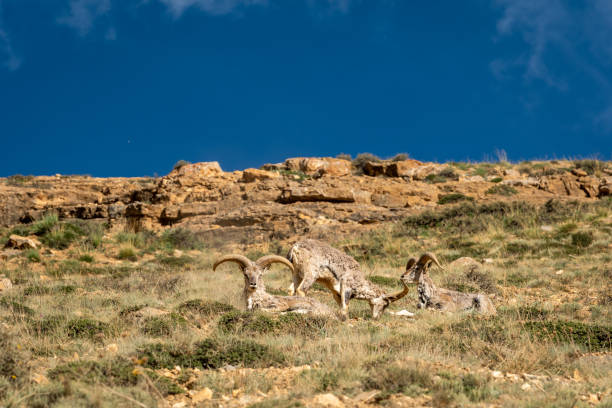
430, 296
315, 261
255, 295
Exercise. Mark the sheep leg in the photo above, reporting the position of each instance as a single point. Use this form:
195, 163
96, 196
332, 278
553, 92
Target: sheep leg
343, 301
305, 284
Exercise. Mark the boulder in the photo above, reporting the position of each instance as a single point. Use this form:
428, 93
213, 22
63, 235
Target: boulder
327, 401
402, 168
202, 169
465, 264
375, 169
513, 173
562, 184
17, 242
579, 172
251, 175
590, 185
605, 187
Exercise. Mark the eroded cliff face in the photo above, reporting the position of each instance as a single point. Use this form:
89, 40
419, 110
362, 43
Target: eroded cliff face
302, 196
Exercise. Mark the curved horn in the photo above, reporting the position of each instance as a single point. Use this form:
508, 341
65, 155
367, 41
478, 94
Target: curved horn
241, 260
267, 260
428, 256
397, 296
410, 263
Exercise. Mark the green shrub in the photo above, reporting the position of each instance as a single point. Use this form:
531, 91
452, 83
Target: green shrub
127, 253
181, 238
32, 255
86, 258
18, 180
161, 355
344, 156
582, 239
517, 248
591, 167
502, 189
83, 327
180, 164
211, 353
400, 157
362, 159
162, 325
591, 337
36, 290
453, 198
496, 180
44, 225
48, 324
61, 236
204, 307
15, 307
116, 372
395, 379
260, 323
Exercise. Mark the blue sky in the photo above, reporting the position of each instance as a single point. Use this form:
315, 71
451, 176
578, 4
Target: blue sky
128, 87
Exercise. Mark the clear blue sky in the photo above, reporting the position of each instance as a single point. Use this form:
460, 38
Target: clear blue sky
128, 87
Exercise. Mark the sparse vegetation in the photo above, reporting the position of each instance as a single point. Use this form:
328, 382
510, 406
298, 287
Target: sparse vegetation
503, 190
101, 331
180, 164
453, 198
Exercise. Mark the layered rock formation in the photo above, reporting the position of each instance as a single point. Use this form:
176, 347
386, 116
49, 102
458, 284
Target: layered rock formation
299, 196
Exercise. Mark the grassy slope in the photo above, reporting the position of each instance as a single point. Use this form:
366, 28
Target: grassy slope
72, 322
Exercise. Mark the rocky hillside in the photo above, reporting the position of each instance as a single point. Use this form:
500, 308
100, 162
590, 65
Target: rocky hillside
313, 196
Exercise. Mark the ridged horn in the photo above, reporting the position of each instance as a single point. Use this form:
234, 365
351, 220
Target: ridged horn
410, 263
426, 257
267, 260
241, 260
397, 296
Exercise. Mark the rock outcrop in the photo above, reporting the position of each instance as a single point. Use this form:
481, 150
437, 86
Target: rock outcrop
297, 197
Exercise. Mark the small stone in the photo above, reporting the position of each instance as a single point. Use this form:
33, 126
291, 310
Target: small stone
328, 400
112, 348
366, 396
404, 312
228, 367
40, 379
5, 284
525, 386
559, 272
547, 228
18, 242
579, 172
177, 253
204, 394
179, 404
487, 260
497, 374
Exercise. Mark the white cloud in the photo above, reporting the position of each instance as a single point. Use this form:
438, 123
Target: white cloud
541, 24
8, 58
215, 7
83, 13
11, 61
